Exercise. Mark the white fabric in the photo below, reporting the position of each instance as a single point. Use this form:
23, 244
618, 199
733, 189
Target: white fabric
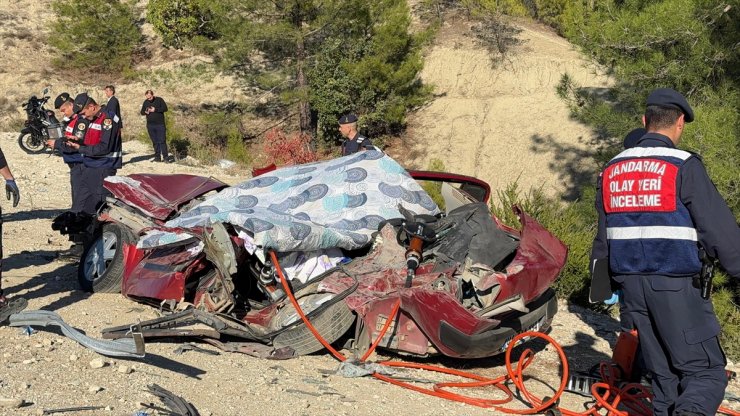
305, 265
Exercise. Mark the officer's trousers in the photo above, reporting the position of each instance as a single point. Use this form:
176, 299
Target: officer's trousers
678, 334
91, 191
75, 176
158, 134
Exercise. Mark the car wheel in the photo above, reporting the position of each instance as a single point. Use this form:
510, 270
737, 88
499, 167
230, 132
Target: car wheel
101, 264
332, 323
31, 144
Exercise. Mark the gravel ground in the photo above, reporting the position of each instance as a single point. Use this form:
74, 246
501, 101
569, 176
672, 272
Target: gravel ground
47, 371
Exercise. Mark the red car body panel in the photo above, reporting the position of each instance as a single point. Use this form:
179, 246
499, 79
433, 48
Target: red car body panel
160, 196
535, 267
428, 309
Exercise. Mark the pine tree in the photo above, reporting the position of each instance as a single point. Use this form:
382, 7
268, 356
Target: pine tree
103, 38
298, 49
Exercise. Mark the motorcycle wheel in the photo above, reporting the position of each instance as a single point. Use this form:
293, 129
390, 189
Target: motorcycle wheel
332, 323
31, 144
101, 264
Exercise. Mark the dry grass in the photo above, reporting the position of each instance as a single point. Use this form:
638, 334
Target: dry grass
21, 34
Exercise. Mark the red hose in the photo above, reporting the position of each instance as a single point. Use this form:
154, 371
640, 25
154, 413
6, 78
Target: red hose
607, 396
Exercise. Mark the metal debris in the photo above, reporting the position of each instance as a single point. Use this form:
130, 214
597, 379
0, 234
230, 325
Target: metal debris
133, 348
14, 305
192, 347
176, 404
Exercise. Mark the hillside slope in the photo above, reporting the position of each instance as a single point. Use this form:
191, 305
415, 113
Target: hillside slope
506, 123
500, 124
183, 80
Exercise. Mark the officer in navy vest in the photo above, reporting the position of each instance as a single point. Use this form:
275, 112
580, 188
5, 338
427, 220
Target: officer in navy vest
354, 141
657, 207
100, 149
74, 129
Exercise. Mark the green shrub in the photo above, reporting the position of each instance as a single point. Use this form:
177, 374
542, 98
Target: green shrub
181, 22
94, 35
728, 315
434, 189
573, 223
236, 151
179, 75
215, 127
685, 44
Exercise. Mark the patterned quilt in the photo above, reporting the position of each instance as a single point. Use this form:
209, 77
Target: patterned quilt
335, 203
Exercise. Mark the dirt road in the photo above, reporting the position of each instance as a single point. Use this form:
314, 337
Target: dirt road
48, 371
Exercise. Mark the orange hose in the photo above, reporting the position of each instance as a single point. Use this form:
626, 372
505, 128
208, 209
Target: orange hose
609, 399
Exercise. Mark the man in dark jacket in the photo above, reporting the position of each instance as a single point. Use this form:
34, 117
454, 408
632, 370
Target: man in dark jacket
657, 207
154, 109
112, 106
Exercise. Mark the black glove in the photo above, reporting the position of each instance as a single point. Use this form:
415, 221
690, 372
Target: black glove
12, 189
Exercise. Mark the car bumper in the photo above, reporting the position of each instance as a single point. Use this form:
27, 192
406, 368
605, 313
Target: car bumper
496, 340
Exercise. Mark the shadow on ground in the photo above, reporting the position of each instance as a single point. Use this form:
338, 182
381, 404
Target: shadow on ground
34, 214
61, 279
574, 166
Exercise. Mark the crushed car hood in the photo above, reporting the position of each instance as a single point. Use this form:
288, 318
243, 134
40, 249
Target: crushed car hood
159, 196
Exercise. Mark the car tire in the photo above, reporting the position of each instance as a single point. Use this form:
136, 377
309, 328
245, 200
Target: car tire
332, 323
101, 263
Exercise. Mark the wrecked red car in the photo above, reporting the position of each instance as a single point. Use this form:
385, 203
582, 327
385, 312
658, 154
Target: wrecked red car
352, 236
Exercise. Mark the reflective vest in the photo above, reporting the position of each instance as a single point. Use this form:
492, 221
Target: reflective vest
95, 130
649, 229
69, 131
93, 136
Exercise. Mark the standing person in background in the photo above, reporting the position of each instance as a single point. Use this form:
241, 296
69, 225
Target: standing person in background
112, 106
354, 141
154, 109
11, 190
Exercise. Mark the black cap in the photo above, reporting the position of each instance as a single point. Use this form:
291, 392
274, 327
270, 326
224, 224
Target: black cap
61, 99
667, 97
630, 140
348, 118
81, 101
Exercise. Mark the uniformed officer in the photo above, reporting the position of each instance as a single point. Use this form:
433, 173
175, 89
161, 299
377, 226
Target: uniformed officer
354, 141
656, 207
74, 128
11, 190
59, 104
100, 150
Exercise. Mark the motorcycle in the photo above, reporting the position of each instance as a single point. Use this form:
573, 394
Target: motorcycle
41, 125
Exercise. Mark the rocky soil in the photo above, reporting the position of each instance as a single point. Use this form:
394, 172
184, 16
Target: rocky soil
46, 371
500, 124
